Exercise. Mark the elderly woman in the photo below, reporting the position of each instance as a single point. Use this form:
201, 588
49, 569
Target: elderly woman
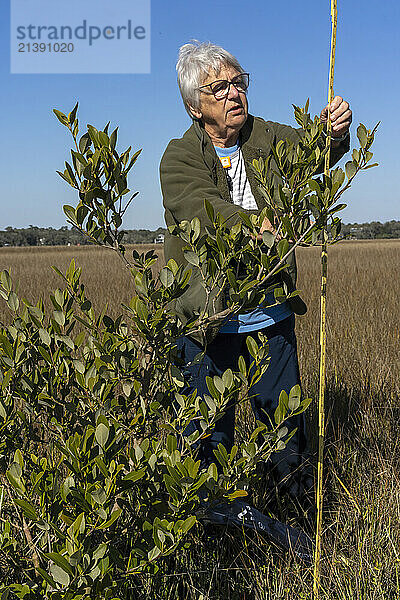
211, 161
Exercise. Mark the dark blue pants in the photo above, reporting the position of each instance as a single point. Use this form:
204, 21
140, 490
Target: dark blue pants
282, 374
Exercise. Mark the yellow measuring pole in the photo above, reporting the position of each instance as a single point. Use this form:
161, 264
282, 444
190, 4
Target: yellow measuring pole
322, 364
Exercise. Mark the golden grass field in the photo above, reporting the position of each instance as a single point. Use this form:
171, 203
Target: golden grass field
363, 300
362, 507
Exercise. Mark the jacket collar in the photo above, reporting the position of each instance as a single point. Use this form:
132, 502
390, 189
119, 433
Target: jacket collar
252, 138
253, 143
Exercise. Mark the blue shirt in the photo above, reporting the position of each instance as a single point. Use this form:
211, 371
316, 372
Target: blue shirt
260, 317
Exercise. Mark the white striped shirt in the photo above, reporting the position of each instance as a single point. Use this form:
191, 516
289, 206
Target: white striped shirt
237, 179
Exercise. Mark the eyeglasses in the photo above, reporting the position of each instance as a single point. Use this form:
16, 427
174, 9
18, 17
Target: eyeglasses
220, 88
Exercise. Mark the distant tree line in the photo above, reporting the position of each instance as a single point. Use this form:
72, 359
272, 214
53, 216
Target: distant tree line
371, 231
48, 236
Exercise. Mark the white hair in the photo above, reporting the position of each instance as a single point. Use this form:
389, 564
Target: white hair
195, 62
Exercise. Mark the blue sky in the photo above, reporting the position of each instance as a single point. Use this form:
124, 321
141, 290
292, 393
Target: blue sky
285, 47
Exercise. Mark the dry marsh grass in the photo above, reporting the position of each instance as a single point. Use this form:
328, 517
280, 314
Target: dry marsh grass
108, 282
363, 312
363, 300
362, 496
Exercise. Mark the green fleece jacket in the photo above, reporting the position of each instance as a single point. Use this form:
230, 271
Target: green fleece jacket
190, 171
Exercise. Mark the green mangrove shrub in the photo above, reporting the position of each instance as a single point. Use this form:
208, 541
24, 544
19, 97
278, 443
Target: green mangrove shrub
97, 481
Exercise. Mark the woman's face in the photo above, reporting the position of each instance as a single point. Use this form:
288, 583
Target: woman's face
225, 115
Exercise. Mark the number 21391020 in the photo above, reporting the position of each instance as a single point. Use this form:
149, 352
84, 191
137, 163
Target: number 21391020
45, 47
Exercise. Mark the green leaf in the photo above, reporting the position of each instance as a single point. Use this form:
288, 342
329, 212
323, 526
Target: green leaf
47, 577
196, 227
60, 116
337, 208
100, 463
306, 403
213, 471
135, 475
103, 138
70, 172
172, 265
350, 169
166, 277
79, 524
66, 487
294, 398
18, 458
177, 376
170, 485
100, 551
114, 516
6, 280
362, 135
84, 143
283, 431
61, 562
191, 258
66, 177
127, 387
282, 248
69, 211
231, 279
171, 444
72, 114
86, 306
209, 209
227, 378
237, 494
6, 346
79, 366
281, 410
211, 387
59, 317
13, 301
99, 496
315, 187
153, 554
59, 296
59, 575
44, 354
113, 138
242, 365
15, 480
188, 523
3, 413
368, 155
101, 434
268, 238
28, 509
93, 134
219, 384
252, 346
133, 160
44, 336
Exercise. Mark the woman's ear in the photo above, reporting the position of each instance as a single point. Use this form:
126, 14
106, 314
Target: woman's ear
195, 112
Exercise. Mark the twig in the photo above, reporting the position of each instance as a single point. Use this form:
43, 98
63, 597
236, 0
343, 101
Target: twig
28, 536
25, 528
235, 307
